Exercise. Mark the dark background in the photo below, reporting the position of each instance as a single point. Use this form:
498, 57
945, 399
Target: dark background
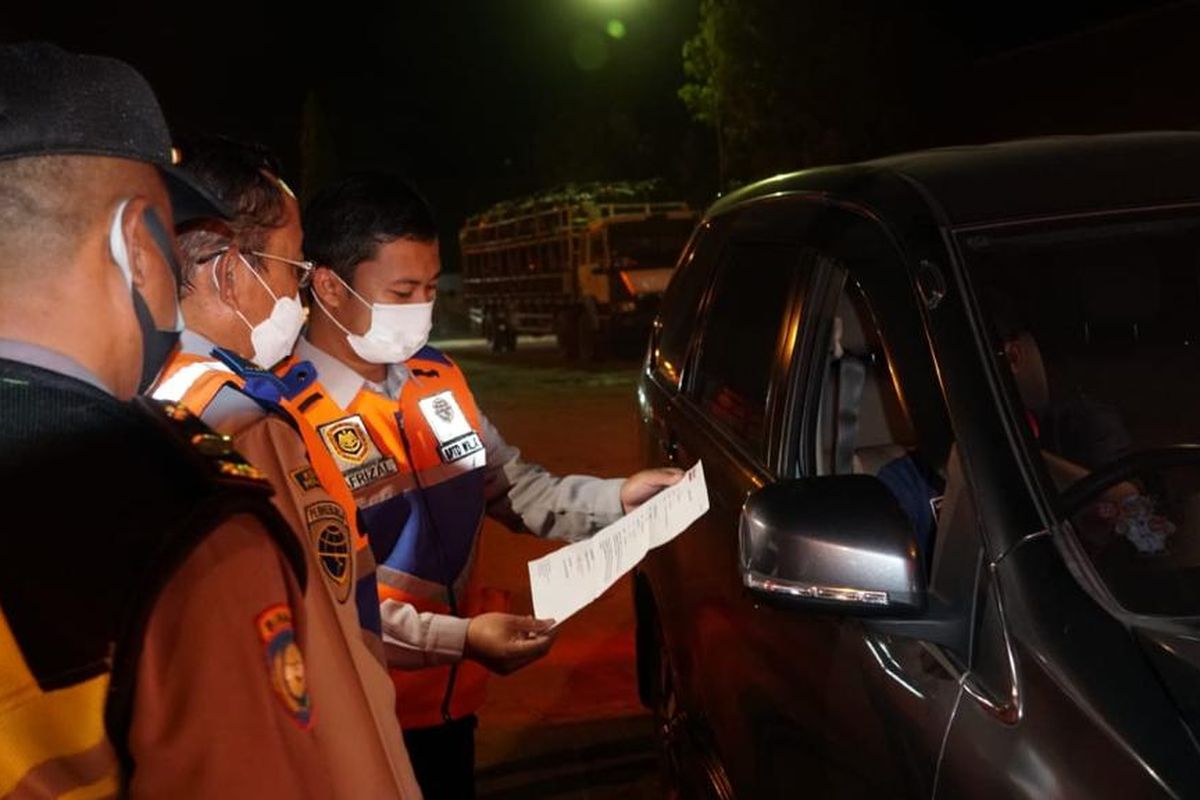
480, 100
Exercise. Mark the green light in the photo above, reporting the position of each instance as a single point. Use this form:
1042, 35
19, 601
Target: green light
615, 28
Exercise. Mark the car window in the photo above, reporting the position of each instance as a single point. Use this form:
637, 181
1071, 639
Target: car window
677, 320
1094, 327
741, 335
862, 426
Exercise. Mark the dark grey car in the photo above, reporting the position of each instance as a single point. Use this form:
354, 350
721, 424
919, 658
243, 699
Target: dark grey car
947, 405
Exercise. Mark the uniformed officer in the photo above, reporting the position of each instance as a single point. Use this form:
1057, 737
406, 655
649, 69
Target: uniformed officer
241, 309
152, 636
423, 462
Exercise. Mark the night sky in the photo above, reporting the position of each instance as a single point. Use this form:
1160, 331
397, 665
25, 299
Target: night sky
475, 100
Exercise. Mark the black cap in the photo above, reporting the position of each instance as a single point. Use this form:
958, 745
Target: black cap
57, 103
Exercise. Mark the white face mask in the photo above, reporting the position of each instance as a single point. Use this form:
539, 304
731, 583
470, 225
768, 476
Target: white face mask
397, 331
274, 337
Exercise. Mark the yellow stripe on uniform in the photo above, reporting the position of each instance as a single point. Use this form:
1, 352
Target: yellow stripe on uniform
38, 727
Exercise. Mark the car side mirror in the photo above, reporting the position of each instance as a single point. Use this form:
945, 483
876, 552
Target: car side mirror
838, 543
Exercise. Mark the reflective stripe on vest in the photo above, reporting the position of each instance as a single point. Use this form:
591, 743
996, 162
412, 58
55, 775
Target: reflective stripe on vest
186, 370
416, 469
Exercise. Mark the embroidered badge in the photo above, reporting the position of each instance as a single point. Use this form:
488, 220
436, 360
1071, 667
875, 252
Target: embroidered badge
306, 479
285, 662
347, 439
359, 460
331, 542
443, 409
456, 438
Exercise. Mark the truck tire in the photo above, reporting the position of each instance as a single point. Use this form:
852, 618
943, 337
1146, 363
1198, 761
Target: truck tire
502, 336
496, 335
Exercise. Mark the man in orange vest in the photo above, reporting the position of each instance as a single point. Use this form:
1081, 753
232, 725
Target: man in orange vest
423, 462
240, 303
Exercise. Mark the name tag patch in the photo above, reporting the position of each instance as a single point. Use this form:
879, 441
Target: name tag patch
460, 448
456, 438
369, 473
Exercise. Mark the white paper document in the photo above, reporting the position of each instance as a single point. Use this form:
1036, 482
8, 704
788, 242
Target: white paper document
569, 578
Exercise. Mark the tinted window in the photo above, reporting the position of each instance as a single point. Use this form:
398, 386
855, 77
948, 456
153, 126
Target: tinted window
742, 328
679, 306
1096, 326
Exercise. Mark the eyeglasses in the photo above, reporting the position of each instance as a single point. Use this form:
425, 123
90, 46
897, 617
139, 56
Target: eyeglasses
304, 268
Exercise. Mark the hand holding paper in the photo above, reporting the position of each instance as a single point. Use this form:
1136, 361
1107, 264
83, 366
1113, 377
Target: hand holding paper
568, 579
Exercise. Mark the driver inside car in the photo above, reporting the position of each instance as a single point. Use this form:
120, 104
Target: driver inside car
1073, 435
1077, 434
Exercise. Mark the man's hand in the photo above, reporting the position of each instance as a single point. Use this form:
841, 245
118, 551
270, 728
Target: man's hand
641, 486
506, 642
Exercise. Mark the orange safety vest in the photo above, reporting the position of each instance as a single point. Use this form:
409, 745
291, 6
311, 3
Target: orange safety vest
416, 468
195, 380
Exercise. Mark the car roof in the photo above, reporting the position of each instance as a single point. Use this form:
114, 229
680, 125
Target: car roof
1021, 179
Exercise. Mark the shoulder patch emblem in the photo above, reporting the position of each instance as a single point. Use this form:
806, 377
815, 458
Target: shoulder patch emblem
306, 478
285, 662
331, 543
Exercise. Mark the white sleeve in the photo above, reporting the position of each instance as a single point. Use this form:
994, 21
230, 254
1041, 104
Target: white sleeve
526, 497
416, 639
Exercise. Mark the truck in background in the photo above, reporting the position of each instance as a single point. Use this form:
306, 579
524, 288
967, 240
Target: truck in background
587, 264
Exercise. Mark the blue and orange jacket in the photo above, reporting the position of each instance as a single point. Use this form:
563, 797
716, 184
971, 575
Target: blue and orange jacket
416, 468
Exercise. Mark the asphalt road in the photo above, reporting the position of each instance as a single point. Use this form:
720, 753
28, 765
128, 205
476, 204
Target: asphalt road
570, 726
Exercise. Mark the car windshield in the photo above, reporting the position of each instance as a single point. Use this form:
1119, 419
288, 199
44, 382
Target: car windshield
1096, 325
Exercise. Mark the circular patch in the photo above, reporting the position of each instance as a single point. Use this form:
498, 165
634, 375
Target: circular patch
285, 662
291, 683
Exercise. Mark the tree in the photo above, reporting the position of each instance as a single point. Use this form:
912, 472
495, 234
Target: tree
786, 84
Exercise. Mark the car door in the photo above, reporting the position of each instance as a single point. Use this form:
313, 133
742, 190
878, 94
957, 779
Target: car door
790, 700
723, 416
1066, 697
844, 706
